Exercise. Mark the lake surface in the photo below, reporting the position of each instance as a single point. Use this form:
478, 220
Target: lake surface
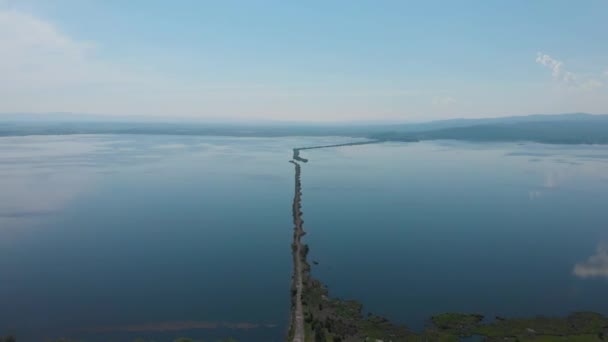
412, 230
117, 237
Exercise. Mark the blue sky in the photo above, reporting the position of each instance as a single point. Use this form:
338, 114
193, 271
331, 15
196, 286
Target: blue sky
304, 61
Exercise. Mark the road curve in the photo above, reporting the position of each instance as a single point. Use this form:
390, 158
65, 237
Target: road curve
297, 329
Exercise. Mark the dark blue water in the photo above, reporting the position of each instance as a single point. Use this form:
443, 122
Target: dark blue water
117, 237
412, 230
135, 235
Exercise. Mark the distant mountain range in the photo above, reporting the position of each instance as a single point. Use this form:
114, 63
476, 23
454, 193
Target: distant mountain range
451, 123
574, 128
577, 128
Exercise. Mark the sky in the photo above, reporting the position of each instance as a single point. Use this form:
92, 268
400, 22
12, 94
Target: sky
304, 60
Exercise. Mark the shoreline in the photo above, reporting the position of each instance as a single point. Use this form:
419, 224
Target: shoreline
315, 316
296, 330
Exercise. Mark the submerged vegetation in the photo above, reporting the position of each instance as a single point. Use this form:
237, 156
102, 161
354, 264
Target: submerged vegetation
331, 319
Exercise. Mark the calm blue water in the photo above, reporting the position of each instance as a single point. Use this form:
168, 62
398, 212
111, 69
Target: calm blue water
118, 237
141, 234
415, 229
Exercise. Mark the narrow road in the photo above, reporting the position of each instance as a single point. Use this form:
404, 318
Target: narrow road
298, 232
297, 328
297, 150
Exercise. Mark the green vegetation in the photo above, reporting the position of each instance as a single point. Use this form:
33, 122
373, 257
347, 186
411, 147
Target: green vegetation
336, 320
584, 325
457, 323
329, 319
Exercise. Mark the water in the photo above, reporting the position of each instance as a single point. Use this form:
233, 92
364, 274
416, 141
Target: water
134, 235
416, 229
117, 237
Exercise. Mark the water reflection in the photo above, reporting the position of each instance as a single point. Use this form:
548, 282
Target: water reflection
596, 266
535, 194
41, 175
552, 180
138, 234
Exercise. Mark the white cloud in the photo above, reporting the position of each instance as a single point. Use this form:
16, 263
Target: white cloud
595, 266
555, 66
560, 74
65, 74
35, 54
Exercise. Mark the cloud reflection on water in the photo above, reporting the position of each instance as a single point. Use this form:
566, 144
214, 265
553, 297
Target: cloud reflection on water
41, 175
596, 266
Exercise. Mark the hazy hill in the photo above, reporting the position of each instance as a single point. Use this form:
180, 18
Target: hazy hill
557, 129
575, 128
